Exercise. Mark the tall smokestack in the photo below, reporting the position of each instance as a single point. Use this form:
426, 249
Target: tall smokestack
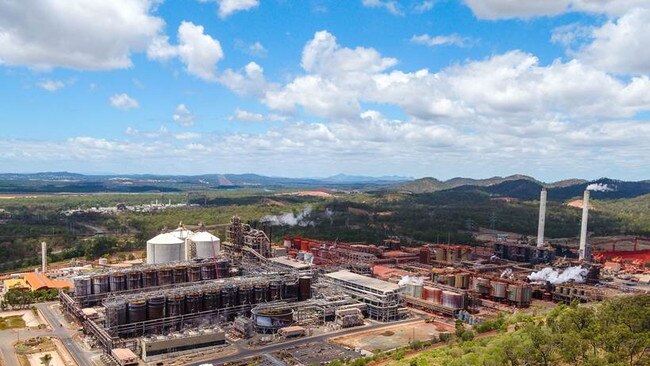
43, 257
584, 252
542, 219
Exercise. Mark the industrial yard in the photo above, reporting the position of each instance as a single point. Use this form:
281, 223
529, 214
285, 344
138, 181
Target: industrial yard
196, 298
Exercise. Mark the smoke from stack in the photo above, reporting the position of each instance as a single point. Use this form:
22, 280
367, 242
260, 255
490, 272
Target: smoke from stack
585, 251
548, 274
542, 218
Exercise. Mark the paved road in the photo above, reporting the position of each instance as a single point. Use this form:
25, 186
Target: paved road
246, 353
81, 356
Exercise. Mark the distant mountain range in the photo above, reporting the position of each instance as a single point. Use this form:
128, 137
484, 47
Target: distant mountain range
528, 188
516, 186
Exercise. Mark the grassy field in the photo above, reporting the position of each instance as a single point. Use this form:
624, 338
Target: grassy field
11, 322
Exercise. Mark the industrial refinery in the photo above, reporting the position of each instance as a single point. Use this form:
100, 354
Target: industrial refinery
197, 296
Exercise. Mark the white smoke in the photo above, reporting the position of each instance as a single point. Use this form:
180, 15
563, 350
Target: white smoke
411, 280
576, 274
599, 187
289, 218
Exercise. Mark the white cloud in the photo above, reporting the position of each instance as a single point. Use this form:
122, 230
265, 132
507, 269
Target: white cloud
391, 6
230, 7
187, 135
442, 40
123, 101
77, 34
198, 51
183, 116
257, 49
250, 81
504, 9
621, 46
424, 6
51, 85
247, 116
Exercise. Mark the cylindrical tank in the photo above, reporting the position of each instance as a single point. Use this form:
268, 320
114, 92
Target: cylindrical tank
101, 284
498, 290
179, 274
137, 311
121, 313
133, 280
211, 299
117, 281
82, 286
207, 271
290, 290
116, 313
482, 286
451, 299
275, 291
223, 268
165, 277
261, 291
175, 305
228, 297
466, 253
244, 295
207, 245
441, 254
271, 319
193, 302
462, 280
150, 278
165, 248
194, 273
451, 280
155, 307
304, 285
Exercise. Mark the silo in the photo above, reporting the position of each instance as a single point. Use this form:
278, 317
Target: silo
150, 278
155, 307
165, 248
82, 286
179, 274
275, 290
261, 291
137, 310
117, 281
193, 302
228, 297
211, 299
101, 284
207, 245
194, 273
175, 305
223, 268
244, 295
304, 285
165, 276
133, 280
498, 290
207, 271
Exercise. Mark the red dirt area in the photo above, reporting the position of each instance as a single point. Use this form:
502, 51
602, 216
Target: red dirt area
643, 255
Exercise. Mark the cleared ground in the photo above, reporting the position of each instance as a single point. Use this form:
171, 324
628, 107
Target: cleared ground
389, 338
19, 319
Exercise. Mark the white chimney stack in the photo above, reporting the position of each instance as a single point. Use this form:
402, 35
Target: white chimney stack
43, 257
542, 219
584, 252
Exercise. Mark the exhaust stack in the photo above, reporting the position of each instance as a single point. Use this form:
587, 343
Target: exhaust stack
43, 257
585, 250
542, 219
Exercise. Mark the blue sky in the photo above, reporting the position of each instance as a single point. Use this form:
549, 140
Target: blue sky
443, 88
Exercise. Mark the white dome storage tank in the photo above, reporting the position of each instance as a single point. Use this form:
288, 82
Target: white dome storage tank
207, 245
165, 248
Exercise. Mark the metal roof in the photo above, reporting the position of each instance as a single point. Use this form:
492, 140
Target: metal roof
166, 238
290, 262
203, 236
373, 283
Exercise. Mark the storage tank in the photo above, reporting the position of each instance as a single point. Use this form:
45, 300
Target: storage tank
155, 307
165, 276
207, 271
482, 286
150, 278
194, 273
207, 245
165, 248
498, 290
244, 295
137, 311
82, 286
223, 268
228, 296
117, 281
121, 313
211, 299
175, 305
290, 290
441, 254
101, 284
193, 302
133, 280
461, 280
261, 292
271, 319
275, 290
179, 274
304, 288
451, 299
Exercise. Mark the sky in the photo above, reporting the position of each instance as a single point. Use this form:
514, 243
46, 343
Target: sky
304, 88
